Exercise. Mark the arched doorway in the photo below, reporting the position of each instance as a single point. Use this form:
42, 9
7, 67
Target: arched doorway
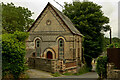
49, 55
49, 51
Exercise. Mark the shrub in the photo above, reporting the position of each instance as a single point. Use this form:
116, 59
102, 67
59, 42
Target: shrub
84, 69
113, 45
21, 36
13, 52
101, 66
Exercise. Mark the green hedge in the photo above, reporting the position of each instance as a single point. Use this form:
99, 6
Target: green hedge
13, 53
101, 67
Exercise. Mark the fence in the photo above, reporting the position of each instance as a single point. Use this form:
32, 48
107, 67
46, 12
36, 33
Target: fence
114, 56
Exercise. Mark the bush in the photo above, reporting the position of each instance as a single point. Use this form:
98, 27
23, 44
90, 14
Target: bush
13, 52
113, 45
101, 66
84, 69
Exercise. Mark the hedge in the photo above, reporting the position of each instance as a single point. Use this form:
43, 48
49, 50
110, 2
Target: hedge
13, 53
101, 67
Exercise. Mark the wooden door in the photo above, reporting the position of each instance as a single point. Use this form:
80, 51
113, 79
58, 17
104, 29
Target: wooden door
49, 55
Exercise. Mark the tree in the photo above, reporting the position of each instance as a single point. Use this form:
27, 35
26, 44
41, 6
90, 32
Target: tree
90, 21
15, 18
115, 41
13, 53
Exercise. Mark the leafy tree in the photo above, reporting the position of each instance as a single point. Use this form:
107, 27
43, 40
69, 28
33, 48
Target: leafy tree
115, 42
15, 18
90, 21
13, 52
106, 43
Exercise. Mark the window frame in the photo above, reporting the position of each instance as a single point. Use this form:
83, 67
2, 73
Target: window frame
36, 43
37, 54
60, 47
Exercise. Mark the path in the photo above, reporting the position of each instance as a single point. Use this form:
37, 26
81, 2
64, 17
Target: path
34, 73
86, 75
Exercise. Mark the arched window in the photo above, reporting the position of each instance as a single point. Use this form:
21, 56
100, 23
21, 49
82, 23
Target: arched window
37, 46
37, 43
61, 48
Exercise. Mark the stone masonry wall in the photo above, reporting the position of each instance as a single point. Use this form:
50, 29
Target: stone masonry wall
52, 65
41, 64
111, 72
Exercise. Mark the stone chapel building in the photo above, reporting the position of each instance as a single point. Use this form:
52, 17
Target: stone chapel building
54, 44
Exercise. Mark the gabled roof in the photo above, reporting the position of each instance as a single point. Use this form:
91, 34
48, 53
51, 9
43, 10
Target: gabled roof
64, 18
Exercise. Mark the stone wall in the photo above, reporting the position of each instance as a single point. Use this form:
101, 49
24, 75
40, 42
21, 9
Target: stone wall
111, 72
52, 65
70, 64
42, 64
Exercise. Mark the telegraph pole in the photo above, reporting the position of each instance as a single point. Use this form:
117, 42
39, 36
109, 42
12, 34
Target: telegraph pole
110, 36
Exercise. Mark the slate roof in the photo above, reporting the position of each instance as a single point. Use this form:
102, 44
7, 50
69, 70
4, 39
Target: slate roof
63, 17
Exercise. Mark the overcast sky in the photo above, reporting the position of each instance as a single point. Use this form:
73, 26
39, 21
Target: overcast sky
109, 8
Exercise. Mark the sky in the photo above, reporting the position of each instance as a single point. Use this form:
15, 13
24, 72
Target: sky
109, 8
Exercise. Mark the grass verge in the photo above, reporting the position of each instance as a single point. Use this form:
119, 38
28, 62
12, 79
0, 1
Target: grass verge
56, 74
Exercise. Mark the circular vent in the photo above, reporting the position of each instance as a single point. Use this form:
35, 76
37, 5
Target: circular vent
48, 22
